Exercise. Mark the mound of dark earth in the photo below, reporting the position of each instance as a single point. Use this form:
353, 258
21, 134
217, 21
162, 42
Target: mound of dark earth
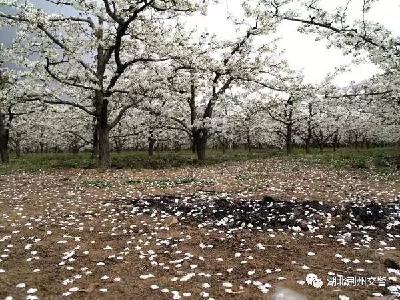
270, 213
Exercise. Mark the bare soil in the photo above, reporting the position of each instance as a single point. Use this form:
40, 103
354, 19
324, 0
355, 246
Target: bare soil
232, 231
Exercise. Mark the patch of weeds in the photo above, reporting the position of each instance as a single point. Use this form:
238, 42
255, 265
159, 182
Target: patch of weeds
182, 181
162, 183
133, 181
381, 161
193, 181
360, 163
206, 181
5, 171
243, 177
101, 184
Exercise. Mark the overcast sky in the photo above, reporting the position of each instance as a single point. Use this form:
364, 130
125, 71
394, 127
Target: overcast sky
302, 51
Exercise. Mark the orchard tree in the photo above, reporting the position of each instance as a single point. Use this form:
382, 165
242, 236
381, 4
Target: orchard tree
286, 108
213, 68
4, 130
306, 129
97, 53
251, 121
365, 40
12, 108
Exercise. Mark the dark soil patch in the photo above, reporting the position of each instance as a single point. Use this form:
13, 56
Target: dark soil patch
216, 210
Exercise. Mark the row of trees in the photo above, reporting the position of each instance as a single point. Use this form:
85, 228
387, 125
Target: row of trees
246, 124
125, 74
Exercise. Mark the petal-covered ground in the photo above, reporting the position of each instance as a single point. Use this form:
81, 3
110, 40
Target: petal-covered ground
247, 230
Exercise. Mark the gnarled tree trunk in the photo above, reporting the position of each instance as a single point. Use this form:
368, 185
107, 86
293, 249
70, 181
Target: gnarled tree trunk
151, 144
4, 138
95, 139
289, 125
193, 144
103, 130
104, 148
201, 144
289, 138
336, 140
193, 115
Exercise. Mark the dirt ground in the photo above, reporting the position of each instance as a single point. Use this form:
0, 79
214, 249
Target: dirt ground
247, 230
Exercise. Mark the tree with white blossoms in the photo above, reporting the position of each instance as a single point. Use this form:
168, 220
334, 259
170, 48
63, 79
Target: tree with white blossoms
213, 68
101, 52
365, 40
227, 124
321, 117
307, 124
12, 109
328, 122
285, 107
4, 124
248, 121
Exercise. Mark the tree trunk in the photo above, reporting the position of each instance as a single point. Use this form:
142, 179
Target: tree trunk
151, 144
367, 143
74, 146
151, 147
177, 145
118, 145
193, 145
289, 125
103, 131
356, 140
224, 146
18, 146
101, 104
4, 149
248, 142
4, 155
336, 141
104, 148
195, 138
95, 139
308, 146
309, 127
308, 140
4, 138
193, 112
321, 140
289, 142
201, 145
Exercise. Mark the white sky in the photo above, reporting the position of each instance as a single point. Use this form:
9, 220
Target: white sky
302, 51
